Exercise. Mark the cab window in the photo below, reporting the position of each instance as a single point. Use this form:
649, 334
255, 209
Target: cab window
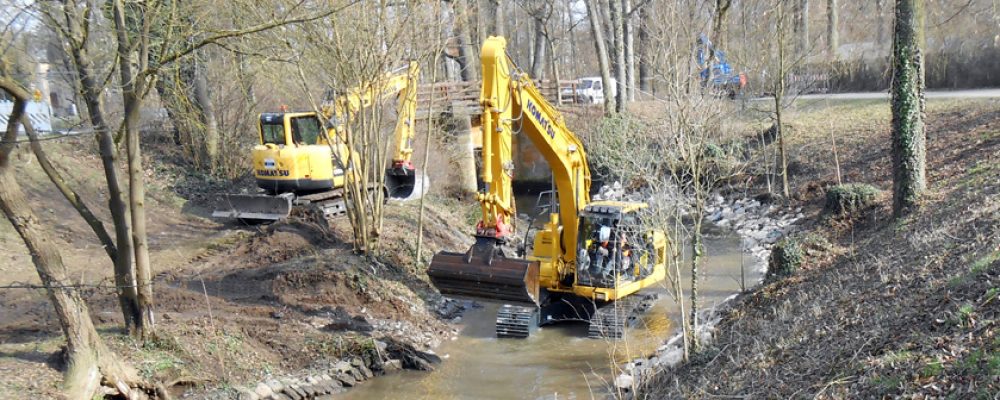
272, 131
305, 130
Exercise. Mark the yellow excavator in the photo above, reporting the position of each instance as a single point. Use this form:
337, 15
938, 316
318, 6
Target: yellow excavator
590, 260
296, 164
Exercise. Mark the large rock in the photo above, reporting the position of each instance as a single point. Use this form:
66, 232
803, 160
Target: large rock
392, 365
624, 381
341, 367
247, 394
275, 385
263, 390
346, 379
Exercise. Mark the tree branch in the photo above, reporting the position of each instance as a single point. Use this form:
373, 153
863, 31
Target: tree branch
242, 32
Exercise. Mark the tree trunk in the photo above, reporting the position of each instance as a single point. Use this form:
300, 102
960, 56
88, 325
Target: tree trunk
802, 23
628, 27
466, 53
89, 360
538, 59
133, 88
498, 17
602, 55
719, 24
125, 280
645, 53
879, 22
206, 113
832, 24
779, 95
696, 254
908, 137
68, 193
571, 37
619, 47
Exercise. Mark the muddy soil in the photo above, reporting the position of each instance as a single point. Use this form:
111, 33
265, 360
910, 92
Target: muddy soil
235, 303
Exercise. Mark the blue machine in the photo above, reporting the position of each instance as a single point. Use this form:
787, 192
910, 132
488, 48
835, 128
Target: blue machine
716, 73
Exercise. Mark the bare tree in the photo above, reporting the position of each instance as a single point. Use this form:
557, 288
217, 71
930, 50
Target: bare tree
467, 58
74, 21
618, 44
719, 23
89, 360
779, 94
802, 25
136, 46
628, 31
602, 55
832, 27
908, 137
645, 50
135, 29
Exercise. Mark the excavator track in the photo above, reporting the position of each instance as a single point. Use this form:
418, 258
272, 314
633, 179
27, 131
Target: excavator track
611, 321
516, 321
331, 203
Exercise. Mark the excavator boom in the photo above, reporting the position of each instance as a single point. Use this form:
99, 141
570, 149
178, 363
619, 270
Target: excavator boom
401, 179
509, 96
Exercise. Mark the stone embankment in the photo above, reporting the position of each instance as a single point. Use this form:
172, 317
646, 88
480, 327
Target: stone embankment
760, 225
323, 381
397, 349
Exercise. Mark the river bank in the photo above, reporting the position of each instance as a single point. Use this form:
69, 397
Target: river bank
759, 226
881, 307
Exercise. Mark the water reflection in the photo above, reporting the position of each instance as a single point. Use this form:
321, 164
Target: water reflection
558, 361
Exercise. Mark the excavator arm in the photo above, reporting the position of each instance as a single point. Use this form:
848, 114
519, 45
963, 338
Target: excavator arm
513, 105
400, 176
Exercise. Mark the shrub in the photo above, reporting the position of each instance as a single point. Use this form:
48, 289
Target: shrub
848, 198
786, 258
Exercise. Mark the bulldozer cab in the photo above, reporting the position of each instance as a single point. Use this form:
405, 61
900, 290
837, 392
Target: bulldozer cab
284, 129
612, 249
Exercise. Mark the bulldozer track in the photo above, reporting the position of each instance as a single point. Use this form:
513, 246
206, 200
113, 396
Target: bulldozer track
611, 321
516, 321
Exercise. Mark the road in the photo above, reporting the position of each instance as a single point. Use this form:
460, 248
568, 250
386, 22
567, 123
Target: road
933, 94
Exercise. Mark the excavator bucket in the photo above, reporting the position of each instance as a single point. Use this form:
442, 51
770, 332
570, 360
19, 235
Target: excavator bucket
401, 182
484, 274
253, 207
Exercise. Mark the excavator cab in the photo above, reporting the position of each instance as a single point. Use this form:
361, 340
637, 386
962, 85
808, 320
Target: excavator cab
612, 251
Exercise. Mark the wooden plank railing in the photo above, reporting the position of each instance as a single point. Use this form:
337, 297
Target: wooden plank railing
459, 96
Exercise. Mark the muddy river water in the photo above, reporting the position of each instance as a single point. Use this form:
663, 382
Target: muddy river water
557, 361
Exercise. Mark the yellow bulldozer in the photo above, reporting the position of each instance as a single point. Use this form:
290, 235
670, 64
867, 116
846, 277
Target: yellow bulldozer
590, 260
302, 156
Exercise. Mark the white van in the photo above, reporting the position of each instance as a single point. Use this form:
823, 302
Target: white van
591, 90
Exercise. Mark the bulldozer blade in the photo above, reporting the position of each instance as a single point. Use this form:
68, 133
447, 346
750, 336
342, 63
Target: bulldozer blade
400, 182
253, 207
485, 277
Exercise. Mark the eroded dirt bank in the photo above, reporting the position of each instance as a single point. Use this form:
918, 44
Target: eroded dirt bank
237, 305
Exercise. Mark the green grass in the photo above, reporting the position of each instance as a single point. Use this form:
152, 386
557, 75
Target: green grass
895, 357
889, 383
981, 264
932, 369
976, 268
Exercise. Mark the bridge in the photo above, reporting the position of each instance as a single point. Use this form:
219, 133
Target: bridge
457, 97
461, 100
